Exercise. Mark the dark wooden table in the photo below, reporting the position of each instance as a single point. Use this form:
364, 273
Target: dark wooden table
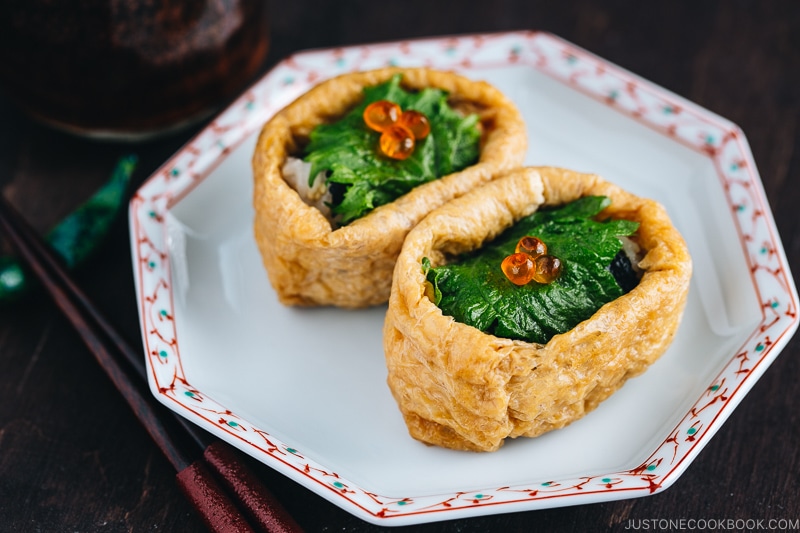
72, 457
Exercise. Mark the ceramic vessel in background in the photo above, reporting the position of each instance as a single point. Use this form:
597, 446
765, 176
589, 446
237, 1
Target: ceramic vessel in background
129, 69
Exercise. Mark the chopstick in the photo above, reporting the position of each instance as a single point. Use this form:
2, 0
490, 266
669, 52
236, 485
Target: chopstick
193, 466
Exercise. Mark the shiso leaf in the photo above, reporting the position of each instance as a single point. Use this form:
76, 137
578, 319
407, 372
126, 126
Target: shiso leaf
347, 152
474, 290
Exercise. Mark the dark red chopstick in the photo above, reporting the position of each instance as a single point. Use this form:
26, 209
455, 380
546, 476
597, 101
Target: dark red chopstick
194, 478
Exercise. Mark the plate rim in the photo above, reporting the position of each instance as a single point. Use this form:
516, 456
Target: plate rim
667, 113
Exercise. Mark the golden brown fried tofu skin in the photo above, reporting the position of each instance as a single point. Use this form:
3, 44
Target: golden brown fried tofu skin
460, 388
309, 261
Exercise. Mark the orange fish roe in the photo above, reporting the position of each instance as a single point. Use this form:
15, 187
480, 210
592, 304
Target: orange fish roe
416, 122
381, 114
530, 262
397, 142
399, 129
547, 269
532, 246
518, 268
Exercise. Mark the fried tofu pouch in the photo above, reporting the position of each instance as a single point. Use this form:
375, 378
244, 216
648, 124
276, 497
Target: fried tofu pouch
460, 388
309, 263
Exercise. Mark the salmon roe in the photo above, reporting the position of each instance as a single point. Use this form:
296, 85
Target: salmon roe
416, 122
397, 142
518, 268
547, 269
533, 246
530, 262
381, 114
399, 129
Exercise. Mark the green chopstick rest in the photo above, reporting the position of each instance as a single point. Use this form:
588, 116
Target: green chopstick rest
79, 234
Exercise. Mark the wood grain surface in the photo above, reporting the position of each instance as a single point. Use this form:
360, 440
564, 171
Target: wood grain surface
73, 458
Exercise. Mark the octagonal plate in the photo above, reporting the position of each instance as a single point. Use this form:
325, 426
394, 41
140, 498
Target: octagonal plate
303, 390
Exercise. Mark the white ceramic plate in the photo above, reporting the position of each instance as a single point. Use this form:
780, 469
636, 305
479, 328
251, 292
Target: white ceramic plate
303, 390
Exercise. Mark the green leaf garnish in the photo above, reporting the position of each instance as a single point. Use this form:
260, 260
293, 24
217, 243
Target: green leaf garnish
347, 150
474, 290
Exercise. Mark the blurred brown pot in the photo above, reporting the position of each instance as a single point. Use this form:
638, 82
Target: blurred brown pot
129, 69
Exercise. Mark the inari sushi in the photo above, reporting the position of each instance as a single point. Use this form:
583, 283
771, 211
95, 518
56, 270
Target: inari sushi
482, 345
337, 186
